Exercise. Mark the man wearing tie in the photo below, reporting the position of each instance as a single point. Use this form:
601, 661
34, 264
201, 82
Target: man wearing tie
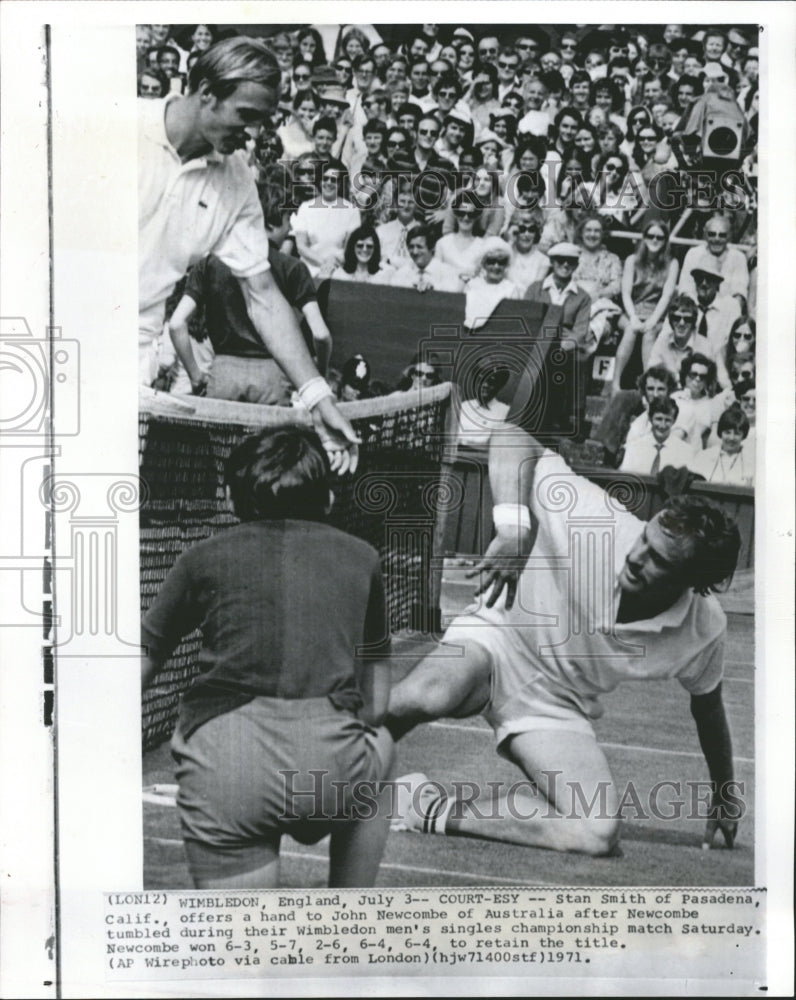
716, 313
647, 455
392, 235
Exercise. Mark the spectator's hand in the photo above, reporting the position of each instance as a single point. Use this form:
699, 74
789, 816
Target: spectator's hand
337, 435
722, 817
436, 215
199, 387
502, 564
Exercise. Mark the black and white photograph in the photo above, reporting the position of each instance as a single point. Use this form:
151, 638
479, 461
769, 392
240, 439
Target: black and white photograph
421, 569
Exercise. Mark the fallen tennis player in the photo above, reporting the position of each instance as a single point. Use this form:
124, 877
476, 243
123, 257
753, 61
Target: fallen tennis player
579, 595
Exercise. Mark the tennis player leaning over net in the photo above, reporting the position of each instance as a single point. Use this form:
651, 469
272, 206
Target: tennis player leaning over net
197, 196
275, 734
601, 597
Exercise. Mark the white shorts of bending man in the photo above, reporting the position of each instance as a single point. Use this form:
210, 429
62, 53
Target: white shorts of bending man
580, 595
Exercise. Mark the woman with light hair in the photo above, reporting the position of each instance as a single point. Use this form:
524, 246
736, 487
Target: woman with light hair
490, 285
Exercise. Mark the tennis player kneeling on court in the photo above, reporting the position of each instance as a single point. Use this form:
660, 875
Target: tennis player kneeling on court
593, 596
275, 736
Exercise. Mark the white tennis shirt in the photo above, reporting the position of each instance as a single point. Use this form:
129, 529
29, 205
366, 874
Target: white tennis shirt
186, 211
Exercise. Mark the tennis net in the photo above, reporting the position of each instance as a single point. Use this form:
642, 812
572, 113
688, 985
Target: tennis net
391, 503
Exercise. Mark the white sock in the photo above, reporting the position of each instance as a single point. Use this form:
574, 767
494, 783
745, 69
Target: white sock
436, 814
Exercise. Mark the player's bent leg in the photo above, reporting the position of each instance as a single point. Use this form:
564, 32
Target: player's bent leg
357, 844
454, 684
567, 803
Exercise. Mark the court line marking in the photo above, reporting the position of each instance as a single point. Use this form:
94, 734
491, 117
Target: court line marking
614, 746
477, 877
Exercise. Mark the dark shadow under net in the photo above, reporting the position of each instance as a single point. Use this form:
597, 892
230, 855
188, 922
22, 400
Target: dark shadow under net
391, 503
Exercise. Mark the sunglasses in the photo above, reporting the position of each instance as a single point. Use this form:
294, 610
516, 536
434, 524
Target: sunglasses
395, 143
682, 318
527, 45
654, 236
527, 229
713, 234
613, 168
490, 261
701, 376
301, 76
741, 335
647, 138
421, 373
562, 261
463, 213
428, 131
363, 245
569, 45
487, 52
508, 65
447, 93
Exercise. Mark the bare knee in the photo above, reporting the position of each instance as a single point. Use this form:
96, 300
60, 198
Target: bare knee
599, 837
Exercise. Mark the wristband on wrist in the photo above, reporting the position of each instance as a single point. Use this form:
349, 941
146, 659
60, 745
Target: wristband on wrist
511, 515
313, 391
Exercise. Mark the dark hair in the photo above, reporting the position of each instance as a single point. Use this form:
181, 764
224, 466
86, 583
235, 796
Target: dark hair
490, 70
447, 80
553, 80
349, 256
636, 110
613, 89
699, 359
319, 55
325, 124
279, 474
733, 419
304, 95
666, 406
511, 125
581, 76
730, 351
374, 125
682, 301
535, 144
583, 174
659, 372
566, 112
419, 230
359, 61
638, 153
409, 108
275, 204
156, 74
716, 537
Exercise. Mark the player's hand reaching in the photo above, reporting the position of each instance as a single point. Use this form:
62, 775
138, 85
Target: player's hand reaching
337, 435
502, 564
724, 816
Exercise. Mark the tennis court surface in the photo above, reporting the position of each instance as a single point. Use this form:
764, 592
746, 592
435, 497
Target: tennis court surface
648, 736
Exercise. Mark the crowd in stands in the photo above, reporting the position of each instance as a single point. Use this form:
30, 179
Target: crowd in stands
608, 171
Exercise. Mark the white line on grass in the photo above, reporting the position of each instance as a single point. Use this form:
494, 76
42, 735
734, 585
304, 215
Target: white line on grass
476, 877
615, 746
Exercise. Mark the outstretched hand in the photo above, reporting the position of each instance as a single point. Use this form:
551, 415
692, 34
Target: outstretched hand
502, 564
720, 820
337, 436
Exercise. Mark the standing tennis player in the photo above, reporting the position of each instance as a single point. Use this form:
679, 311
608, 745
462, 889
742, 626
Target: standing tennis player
602, 597
197, 196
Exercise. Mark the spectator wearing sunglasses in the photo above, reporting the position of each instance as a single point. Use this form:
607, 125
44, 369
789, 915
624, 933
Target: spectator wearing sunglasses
462, 249
362, 259
528, 264
679, 339
695, 398
321, 234
716, 250
490, 285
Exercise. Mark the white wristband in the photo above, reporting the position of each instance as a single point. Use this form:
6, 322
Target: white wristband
511, 515
312, 392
